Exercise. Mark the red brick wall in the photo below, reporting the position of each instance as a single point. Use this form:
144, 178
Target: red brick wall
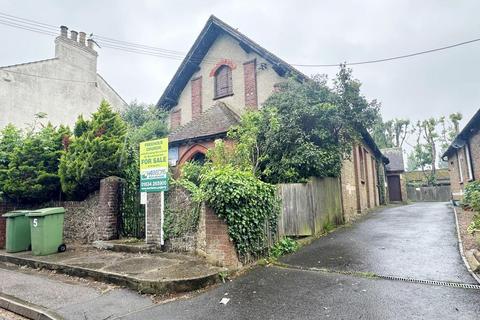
108, 208
250, 79
218, 244
474, 144
196, 97
175, 119
4, 208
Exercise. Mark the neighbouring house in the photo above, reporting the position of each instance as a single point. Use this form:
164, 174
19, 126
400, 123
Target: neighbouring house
395, 169
63, 87
463, 157
224, 74
417, 178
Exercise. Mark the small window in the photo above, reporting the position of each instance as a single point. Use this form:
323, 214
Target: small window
223, 82
469, 163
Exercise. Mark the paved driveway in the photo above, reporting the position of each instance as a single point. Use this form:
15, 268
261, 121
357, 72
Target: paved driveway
417, 241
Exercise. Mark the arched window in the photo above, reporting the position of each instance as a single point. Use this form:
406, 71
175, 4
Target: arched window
223, 82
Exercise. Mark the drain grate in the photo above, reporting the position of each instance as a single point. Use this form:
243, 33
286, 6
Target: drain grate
433, 282
374, 275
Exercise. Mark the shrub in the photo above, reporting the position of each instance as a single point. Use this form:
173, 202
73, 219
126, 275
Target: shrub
33, 164
472, 195
247, 205
284, 246
95, 154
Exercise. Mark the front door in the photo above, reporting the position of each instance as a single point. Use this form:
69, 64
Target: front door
394, 190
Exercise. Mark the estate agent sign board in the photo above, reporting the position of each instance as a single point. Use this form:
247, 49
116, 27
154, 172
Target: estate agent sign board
154, 165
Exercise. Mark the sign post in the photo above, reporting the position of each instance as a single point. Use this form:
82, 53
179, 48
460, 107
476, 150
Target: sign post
154, 175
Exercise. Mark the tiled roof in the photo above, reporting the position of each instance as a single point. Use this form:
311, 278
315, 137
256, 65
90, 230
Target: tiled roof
214, 122
464, 135
395, 155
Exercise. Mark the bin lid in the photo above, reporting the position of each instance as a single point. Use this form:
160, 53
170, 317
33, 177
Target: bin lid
46, 212
16, 213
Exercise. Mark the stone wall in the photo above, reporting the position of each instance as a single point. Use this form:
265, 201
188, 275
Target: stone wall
95, 218
181, 216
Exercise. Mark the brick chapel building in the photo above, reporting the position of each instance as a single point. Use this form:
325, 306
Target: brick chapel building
226, 73
463, 157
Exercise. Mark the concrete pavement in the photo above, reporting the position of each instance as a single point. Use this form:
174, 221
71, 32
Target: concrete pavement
69, 297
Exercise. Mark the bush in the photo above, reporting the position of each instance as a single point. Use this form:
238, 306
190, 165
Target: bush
247, 205
95, 154
32, 175
472, 195
284, 246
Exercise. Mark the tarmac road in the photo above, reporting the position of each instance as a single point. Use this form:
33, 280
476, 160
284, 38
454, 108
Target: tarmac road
415, 241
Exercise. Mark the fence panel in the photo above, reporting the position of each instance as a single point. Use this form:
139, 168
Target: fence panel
436, 193
306, 207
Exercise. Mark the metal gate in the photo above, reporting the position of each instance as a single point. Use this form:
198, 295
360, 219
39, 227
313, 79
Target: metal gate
132, 214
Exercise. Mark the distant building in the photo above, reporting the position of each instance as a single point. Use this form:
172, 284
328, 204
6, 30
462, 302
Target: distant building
224, 74
62, 87
463, 157
417, 178
397, 190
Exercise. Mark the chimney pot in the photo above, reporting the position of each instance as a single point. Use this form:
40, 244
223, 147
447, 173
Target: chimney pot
90, 43
74, 35
82, 38
63, 31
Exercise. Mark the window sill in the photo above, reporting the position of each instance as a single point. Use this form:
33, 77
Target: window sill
223, 96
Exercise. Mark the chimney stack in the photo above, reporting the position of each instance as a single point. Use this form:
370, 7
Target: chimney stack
63, 31
74, 35
90, 43
82, 38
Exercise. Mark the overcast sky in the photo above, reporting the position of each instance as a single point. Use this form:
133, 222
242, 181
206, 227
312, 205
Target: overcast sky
300, 32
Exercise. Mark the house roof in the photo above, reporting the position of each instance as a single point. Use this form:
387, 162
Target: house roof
460, 140
395, 155
212, 123
191, 63
368, 140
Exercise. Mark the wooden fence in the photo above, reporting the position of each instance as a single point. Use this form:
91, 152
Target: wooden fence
308, 207
437, 193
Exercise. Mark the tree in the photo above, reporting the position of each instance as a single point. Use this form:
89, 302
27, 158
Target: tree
305, 129
97, 152
10, 137
392, 133
33, 165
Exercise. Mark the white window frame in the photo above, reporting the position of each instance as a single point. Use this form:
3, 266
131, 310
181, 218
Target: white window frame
469, 162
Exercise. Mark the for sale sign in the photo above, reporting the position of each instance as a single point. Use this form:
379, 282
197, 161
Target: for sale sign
154, 165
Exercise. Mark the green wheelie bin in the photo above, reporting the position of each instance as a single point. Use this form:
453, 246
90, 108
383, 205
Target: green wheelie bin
18, 231
46, 226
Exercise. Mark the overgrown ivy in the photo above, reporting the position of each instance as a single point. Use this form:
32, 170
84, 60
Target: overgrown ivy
248, 206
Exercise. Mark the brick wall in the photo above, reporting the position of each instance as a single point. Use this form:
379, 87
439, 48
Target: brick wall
153, 218
250, 82
213, 240
349, 189
175, 119
196, 97
358, 195
474, 144
107, 217
2, 232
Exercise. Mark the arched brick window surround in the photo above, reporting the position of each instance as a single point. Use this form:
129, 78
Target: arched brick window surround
223, 62
197, 148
